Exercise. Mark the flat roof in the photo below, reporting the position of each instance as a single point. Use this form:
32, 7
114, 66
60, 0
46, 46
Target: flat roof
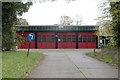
56, 28
56, 25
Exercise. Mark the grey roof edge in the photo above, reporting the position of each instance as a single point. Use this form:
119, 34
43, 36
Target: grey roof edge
56, 25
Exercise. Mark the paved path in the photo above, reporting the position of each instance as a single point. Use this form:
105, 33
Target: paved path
71, 63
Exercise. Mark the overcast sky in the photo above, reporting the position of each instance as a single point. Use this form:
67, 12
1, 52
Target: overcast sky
48, 13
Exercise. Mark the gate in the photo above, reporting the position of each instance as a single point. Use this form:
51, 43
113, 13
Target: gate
66, 40
86, 40
46, 40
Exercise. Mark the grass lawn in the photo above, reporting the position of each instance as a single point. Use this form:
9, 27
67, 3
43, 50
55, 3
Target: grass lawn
103, 57
15, 64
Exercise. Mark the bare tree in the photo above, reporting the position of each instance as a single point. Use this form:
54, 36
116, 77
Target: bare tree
66, 20
78, 20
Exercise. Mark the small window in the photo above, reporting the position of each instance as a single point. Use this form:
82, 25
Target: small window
23, 38
73, 38
38, 39
64, 38
69, 38
80, 39
84, 38
39, 28
53, 38
93, 38
92, 28
42, 28
54, 28
48, 38
49, 28
89, 38
86, 28
43, 38
59, 38
79, 28
82, 28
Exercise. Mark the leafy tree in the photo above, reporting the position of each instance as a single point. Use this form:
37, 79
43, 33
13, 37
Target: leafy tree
109, 19
10, 11
22, 22
105, 18
115, 11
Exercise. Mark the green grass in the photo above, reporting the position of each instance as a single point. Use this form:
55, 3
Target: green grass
15, 64
103, 57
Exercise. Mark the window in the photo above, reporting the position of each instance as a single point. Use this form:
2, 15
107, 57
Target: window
48, 38
89, 38
53, 38
69, 38
23, 38
54, 28
86, 28
42, 28
38, 39
93, 38
64, 38
84, 38
82, 28
39, 28
43, 38
80, 38
59, 38
73, 38
91, 27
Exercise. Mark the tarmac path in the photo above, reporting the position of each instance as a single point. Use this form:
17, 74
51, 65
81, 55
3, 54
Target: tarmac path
71, 63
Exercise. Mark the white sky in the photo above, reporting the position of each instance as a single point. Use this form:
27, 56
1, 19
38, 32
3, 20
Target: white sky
48, 13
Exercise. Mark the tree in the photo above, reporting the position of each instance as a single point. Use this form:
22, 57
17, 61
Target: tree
110, 19
22, 22
115, 11
10, 11
66, 20
105, 18
78, 20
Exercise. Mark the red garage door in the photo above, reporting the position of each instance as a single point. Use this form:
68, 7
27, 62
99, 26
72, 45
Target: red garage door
86, 40
23, 40
46, 40
66, 40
